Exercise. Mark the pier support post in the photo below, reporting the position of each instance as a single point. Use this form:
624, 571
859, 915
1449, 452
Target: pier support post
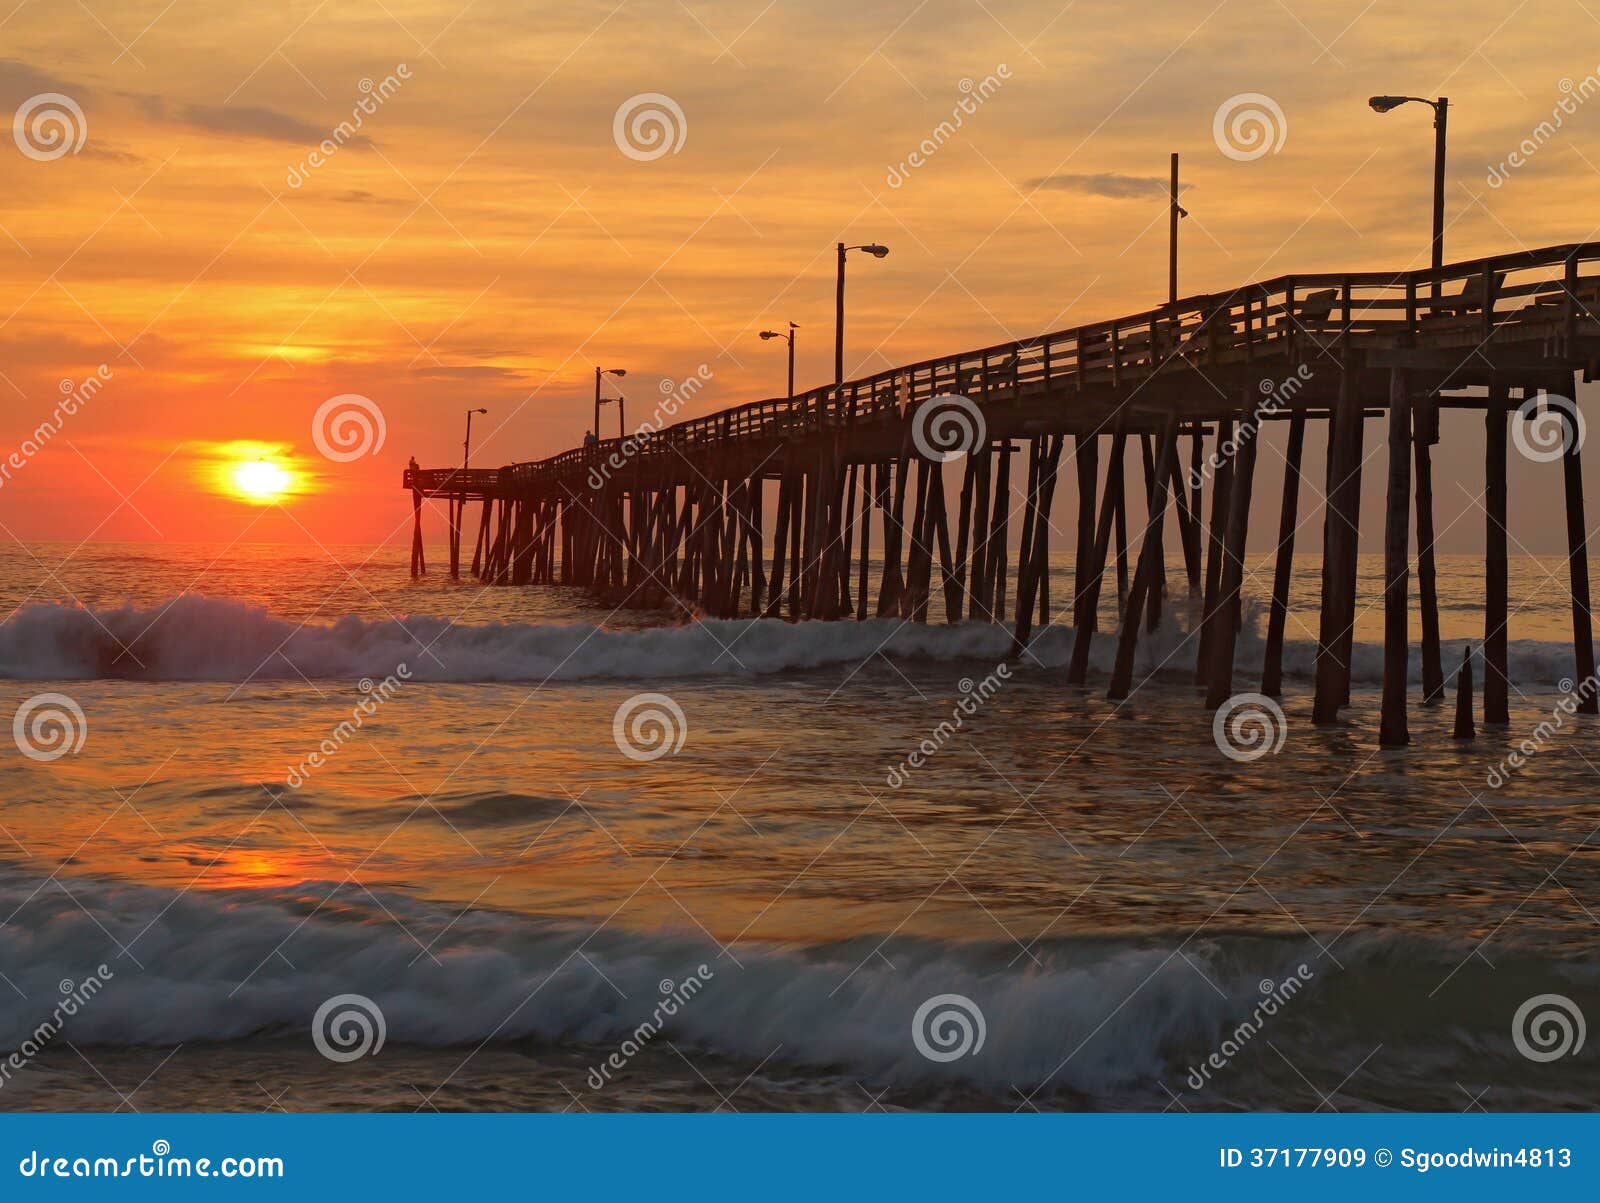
1577, 557
1426, 433
1086, 461
1338, 553
1146, 578
1392, 729
1495, 684
1089, 601
1225, 620
1221, 492
1283, 569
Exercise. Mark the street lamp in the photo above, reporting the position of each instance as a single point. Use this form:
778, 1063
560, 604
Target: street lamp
1175, 211
466, 446
788, 338
598, 372
1441, 112
877, 252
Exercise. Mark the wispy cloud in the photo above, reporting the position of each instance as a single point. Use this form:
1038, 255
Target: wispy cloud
1111, 184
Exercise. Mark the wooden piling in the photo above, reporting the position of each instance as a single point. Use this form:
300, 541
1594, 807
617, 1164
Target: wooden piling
1392, 729
1578, 558
1283, 568
1495, 683
1146, 578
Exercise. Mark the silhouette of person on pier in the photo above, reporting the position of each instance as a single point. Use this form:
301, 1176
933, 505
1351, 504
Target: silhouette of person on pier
589, 438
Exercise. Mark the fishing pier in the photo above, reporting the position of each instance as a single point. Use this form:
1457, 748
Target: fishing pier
769, 509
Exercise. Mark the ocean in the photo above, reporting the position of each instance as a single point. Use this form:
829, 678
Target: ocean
285, 829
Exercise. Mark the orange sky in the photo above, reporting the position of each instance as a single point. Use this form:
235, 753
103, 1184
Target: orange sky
484, 241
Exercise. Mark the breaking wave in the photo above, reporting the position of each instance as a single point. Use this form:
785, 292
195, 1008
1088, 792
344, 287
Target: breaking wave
195, 638
1088, 1016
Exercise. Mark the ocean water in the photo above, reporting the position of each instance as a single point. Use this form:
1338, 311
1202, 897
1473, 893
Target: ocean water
815, 866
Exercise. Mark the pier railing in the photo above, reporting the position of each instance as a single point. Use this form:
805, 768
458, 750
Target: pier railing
1289, 318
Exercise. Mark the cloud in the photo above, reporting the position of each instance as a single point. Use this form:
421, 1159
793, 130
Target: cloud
248, 121
1111, 184
20, 80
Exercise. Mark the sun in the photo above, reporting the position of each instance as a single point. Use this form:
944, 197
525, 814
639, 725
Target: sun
261, 480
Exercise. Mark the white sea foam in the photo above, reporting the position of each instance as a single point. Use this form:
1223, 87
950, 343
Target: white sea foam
1082, 1014
194, 638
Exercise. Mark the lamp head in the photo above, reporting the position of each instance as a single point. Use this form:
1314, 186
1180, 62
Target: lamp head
480, 411
766, 334
876, 250
1383, 104
619, 371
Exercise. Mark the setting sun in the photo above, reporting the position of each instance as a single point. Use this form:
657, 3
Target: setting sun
261, 480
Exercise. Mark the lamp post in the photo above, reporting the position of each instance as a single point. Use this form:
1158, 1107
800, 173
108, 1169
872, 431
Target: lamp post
877, 251
1175, 211
466, 445
1441, 113
598, 372
788, 338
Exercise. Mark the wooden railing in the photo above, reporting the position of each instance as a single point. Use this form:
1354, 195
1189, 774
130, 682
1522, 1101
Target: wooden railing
1461, 304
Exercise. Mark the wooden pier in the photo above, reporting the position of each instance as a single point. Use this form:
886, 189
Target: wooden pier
680, 515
